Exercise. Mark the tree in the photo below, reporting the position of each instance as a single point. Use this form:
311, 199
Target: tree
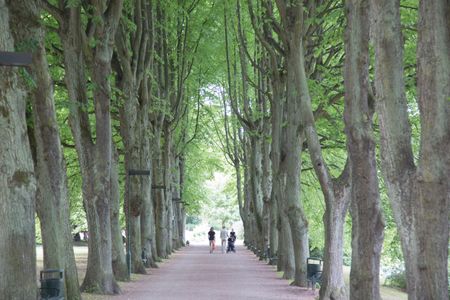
17, 181
249, 109
52, 203
135, 57
367, 220
418, 191
94, 45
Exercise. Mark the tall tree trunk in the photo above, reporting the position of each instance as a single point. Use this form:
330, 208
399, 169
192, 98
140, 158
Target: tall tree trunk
159, 200
119, 263
131, 134
291, 13
17, 183
52, 203
273, 228
147, 214
98, 215
133, 68
237, 170
266, 183
292, 164
167, 163
256, 184
278, 85
249, 232
94, 158
367, 220
182, 221
419, 196
432, 189
175, 175
286, 255
397, 158
333, 285
336, 194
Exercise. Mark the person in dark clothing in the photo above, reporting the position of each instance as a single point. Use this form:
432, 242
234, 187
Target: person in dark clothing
233, 235
212, 240
231, 244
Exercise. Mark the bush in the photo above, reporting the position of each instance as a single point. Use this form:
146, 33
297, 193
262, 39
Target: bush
396, 279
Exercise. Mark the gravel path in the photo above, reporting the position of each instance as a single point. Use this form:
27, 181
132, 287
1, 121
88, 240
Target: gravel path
194, 273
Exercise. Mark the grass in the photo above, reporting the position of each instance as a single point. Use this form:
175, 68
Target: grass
387, 293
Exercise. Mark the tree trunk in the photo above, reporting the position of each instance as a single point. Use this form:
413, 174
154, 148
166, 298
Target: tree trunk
273, 228
131, 134
94, 158
182, 222
397, 158
336, 194
250, 230
256, 191
292, 138
419, 196
367, 220
147, 213
17, 183
292, 148
286, 255
175, 176
167, 163
237, 170
433, 173
333, 285
158, 195
119, 263
137, 266
52, 204
266, 183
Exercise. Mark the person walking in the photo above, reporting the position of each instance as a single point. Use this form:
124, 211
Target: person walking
223, 237
212, 239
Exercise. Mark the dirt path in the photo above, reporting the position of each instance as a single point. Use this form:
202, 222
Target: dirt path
193, 273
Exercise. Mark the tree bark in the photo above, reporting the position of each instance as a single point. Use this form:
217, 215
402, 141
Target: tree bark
94, 157
147, 214
291, 13
266, 183
367, 220
336, 194
119, 263
17, 182
52, 203
182, 212
175, 175
256, 184
134, 67
419, 195
396, 150
433, 172
168, 205
158, 195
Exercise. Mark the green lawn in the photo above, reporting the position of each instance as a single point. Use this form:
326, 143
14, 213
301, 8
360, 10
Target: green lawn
387, 293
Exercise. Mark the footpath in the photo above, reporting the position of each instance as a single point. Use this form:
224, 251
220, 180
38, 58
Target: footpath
194, 273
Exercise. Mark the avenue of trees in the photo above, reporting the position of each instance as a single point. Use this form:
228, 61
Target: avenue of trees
339, 107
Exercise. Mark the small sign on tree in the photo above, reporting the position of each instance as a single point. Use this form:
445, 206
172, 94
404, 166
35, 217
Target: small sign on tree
15, 59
